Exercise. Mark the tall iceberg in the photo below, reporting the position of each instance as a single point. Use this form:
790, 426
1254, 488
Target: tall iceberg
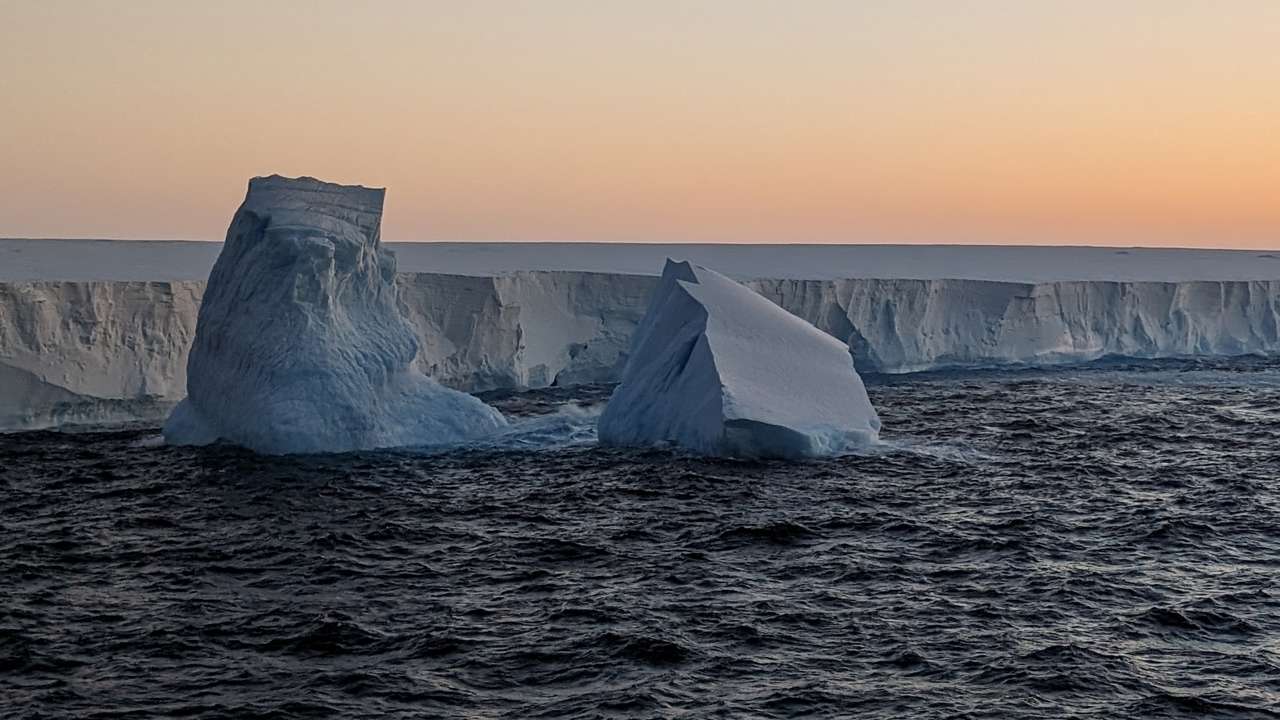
299, 344
717, 369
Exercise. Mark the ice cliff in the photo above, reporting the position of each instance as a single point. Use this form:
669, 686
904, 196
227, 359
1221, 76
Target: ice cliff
299, 343
717, 369
92, 351
898, 326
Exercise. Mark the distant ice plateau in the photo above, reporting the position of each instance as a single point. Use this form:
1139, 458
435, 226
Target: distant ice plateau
99, 331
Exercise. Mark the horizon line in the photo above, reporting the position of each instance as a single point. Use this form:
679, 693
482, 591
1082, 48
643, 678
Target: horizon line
1103, 245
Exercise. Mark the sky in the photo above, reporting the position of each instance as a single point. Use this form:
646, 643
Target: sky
1129, 122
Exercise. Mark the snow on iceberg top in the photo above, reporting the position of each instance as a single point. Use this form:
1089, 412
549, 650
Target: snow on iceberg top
771, 363
185, 260
306, 202
718, 369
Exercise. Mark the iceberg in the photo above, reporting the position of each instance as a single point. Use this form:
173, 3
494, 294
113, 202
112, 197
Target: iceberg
299, 345
717, 369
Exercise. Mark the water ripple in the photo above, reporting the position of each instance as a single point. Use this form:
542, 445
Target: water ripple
1074, 543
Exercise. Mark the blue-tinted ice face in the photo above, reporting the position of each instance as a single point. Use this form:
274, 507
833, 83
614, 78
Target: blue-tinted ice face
302, 303
300, 345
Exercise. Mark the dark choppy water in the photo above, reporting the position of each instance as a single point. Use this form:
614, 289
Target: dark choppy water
1097, 542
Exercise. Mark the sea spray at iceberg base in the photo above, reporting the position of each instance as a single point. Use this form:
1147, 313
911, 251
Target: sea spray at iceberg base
300, 347
717, 369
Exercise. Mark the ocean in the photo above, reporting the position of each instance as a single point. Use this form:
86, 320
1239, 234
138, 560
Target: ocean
1098, 541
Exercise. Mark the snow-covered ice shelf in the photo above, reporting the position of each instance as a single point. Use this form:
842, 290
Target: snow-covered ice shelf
185, 260
102, 332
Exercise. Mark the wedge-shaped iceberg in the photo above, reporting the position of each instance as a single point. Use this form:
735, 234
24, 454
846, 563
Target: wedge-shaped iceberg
299, 345
717, 369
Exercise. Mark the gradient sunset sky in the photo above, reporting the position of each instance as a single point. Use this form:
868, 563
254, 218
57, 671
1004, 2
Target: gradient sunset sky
1132, 122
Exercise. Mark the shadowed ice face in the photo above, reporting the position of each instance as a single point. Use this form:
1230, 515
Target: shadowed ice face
306, 311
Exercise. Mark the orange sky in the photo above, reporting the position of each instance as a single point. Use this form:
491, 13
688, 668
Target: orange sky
1085, 122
